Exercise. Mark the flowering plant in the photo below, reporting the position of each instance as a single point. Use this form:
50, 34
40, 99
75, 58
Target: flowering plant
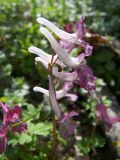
68, 71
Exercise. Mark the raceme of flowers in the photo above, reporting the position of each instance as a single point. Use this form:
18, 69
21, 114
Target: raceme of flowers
78, 71
11, 117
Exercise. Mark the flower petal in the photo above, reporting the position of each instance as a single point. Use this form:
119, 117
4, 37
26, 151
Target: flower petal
40, 53
67, 46
60, 33
86, 78
67, 60
13, 114
41, 90
72, 97
79, 28
66, 75
44, 63
66, 125
67, 129
52, 94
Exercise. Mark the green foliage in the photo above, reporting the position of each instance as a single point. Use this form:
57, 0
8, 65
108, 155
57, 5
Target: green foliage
90, 143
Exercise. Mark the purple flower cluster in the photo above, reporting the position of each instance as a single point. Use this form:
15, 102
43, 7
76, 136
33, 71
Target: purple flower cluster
11, 117
78, 72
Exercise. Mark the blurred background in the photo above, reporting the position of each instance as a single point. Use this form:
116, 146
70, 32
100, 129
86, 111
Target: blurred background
18, 74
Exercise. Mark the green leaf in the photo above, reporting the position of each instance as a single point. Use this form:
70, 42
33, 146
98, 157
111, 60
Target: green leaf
24, 138
42, 129
39, 128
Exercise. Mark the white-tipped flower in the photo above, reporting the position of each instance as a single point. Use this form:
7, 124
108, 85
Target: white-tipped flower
41, 90
63, 55
72, 38
63, 92
67, 76
40, 53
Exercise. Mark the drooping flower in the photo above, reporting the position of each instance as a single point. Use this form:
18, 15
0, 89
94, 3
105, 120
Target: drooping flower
63, 92
70, 38
63, 55
66, 124
103, 115
67, 76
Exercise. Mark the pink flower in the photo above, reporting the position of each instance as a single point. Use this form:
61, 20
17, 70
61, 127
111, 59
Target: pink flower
11, 116
66, 124
86, 78
62, 93
103, 115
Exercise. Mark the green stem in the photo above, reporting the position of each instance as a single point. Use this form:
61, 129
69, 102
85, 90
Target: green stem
54, 140
25, 120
